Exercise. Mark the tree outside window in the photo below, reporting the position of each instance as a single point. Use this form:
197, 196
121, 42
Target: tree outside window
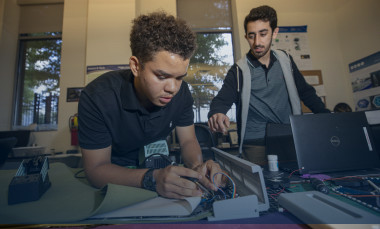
38, 81
207, 70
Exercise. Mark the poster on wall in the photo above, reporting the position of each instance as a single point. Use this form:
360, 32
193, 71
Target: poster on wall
365, 81
293, 39
94, 71
73, 94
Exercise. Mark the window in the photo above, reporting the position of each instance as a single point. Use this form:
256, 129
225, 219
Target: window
211, 20
207, 70
38, 80
39, 61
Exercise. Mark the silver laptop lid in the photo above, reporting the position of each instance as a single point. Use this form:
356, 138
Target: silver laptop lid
247, 176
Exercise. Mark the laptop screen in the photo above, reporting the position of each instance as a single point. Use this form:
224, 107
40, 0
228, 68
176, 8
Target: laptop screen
333, 142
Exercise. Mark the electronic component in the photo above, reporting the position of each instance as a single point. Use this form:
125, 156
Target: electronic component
247, 197
376, 192
350, 182
277, 182
225, 210
157, 161
316, 208
156, 155
360, 190
364, 198
30, 182
319, 185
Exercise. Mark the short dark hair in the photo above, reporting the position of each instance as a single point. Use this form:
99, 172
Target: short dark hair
264, 13
342, 107
159, 31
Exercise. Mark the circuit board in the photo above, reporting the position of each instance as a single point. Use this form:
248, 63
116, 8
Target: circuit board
352, 190
360, 192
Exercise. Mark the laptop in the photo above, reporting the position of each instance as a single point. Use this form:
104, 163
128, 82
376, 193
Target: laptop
332, 142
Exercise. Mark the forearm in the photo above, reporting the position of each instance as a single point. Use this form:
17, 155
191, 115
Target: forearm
219, 105
104, 174
100, 171
191, 153
310, 98
227, 95
168, 180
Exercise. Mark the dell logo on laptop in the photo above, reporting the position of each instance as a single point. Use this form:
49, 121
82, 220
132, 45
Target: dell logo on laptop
335, 141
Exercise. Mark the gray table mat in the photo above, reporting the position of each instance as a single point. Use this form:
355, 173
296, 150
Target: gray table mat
67, 200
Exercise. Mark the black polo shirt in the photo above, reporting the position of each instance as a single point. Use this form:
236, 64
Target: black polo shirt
109, 113
256, 63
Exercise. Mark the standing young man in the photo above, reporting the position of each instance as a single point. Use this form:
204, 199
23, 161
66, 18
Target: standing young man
265, 85
121, 111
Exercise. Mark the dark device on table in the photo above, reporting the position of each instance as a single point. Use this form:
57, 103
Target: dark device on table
156, 155
157, 161
30, 182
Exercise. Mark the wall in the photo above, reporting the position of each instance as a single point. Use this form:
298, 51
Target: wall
73, 59
358, 26
108, 28
8, 48
2, 3
97, 32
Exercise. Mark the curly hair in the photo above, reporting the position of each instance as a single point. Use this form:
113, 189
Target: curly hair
342, 107
264, 13
159, 31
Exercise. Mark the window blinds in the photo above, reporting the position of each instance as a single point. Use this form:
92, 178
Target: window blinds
39, 18
201, 14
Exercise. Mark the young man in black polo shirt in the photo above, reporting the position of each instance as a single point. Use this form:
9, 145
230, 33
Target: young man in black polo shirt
121, 111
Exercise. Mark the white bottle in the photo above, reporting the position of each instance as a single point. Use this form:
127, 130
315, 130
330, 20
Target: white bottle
272, 163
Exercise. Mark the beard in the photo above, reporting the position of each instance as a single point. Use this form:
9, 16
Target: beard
265, 50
